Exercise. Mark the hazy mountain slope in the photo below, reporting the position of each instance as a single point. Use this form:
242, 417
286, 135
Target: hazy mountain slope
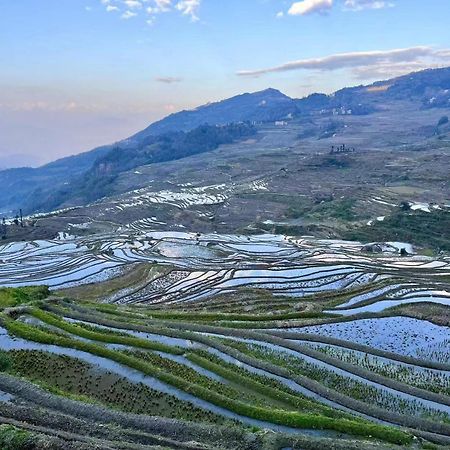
262, 106
279, 182
98, 181
23, 186
18, 184
426, 89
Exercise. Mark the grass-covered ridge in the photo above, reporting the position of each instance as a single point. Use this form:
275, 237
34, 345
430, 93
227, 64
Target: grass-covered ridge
10, 297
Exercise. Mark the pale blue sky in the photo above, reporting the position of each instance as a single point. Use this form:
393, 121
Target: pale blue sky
74, 75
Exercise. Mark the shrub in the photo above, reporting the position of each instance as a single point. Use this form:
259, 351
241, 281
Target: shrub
12, 438
5, 361
18, 296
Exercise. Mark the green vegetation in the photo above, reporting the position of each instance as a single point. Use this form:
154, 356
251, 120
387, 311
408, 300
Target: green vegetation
341, 209
214, 317
283, 417
5, 361
418, 227
182, 371
12, 438
424, 379
340, 383
102, 335
324, 207
264, 385
74, 379
18, 296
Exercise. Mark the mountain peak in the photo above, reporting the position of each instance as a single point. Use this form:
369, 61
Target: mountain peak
272, 92
266, 105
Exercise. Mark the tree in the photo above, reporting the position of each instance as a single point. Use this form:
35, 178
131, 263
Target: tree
405, 205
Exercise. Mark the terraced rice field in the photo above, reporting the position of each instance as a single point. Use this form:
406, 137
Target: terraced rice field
180, 340
183, 196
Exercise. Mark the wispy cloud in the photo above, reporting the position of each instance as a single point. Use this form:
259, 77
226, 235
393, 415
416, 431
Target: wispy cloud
305, 7
151, 8
163, 5
189, 8
128, 15
133, 4
364, 63
359, 5
168, 80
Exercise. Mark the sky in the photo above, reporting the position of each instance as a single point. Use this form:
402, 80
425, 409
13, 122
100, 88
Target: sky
76, 74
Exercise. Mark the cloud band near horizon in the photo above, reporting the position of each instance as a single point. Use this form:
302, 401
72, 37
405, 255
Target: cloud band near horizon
305, 7
362, 61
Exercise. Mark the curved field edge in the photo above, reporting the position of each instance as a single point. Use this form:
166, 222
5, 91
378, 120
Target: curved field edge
174, 331
291, 419
262, 318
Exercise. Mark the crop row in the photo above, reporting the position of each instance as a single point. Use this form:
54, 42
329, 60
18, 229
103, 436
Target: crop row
292, 419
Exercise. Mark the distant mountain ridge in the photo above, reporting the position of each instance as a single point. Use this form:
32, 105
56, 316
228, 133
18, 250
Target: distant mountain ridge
263, 106
98, 181
429, 89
